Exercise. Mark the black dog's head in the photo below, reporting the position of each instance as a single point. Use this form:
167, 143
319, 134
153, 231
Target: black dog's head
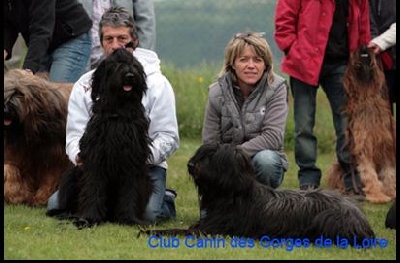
119, 80
221, 169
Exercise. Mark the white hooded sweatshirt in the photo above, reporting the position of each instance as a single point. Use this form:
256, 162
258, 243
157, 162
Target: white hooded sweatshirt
387, 39
159, 103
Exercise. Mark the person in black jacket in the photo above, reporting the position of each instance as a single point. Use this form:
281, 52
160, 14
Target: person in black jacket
56, 33
383, 27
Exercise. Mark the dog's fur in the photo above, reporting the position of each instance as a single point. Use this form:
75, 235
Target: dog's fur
236, 204
112, 184
370, 131
35, 112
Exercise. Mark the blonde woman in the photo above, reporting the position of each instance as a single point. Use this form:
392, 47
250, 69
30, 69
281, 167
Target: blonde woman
247, 106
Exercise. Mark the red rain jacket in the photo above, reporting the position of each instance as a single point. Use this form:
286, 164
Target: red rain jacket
302, 30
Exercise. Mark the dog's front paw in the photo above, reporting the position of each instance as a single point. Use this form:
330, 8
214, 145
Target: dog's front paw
39, 200
379, 198
82, 223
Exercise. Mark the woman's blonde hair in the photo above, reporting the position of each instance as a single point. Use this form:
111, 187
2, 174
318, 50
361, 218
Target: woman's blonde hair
236, 46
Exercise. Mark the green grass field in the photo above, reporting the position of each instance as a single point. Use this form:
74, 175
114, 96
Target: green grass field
29, 234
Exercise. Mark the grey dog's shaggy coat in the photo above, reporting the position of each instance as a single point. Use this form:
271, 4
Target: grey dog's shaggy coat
236, 204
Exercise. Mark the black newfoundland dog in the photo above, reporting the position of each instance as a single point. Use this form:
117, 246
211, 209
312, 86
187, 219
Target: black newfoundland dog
112, 184
237, 205
390, 220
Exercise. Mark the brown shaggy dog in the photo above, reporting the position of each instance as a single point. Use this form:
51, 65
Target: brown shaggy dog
35, 112
370, 131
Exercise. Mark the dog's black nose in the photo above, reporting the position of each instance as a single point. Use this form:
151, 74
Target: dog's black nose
364, 50
364, 54
128, 78
365, 57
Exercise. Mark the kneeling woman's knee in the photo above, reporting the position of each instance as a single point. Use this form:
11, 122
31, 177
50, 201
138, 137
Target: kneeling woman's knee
53, 202
269, 169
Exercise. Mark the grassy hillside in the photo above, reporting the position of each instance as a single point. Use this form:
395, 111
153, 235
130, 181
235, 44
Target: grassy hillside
192, 32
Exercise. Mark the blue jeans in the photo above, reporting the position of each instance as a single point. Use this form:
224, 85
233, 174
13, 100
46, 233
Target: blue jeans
160, 206
68, 62
269, 169
305, 148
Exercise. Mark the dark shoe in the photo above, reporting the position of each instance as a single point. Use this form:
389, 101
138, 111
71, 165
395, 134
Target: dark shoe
307, 187
171, 193
169, 200
358, 196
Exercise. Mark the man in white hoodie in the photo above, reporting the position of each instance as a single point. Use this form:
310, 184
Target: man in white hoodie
117, 29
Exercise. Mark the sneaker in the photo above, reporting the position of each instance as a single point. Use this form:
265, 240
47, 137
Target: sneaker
171, 193
307, 187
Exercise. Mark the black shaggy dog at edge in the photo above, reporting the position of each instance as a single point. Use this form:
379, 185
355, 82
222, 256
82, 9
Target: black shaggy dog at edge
390, 220
112, 184
237, 205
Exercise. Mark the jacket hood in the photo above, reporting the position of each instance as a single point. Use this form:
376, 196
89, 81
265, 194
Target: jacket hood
149, 60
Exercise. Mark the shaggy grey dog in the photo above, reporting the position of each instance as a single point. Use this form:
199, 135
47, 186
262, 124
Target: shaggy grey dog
236, 204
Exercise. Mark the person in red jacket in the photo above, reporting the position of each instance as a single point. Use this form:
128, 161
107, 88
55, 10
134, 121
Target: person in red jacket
317, 38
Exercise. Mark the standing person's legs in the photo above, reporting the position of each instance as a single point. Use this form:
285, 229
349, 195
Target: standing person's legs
332, 83
69, 61
161, 206
305, 148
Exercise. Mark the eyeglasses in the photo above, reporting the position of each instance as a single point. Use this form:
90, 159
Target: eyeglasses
243, 35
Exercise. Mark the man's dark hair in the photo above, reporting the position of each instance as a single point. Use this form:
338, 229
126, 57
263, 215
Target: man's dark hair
118, 16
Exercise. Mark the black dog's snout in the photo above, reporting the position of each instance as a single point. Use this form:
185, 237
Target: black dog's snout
128, 80
363, 66
364, 55
7, 111
364, 50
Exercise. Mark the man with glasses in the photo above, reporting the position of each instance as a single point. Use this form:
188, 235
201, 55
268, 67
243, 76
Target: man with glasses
142, 12
117, 30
